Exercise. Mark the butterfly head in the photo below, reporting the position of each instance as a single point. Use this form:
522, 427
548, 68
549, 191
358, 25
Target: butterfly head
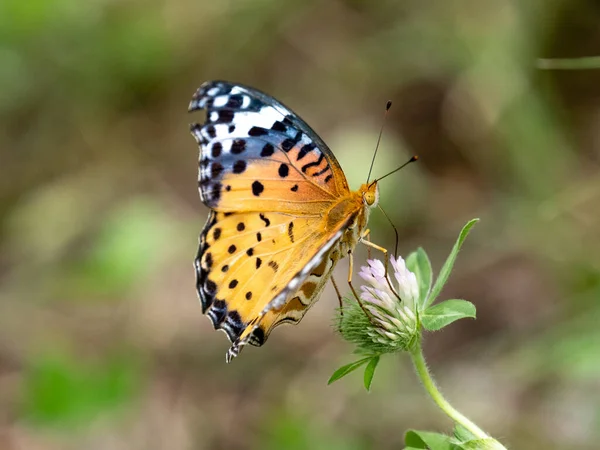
370, 194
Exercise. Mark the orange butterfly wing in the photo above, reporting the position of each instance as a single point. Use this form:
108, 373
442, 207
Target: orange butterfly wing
270, 182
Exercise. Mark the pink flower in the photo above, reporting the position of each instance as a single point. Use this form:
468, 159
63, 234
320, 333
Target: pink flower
390, 304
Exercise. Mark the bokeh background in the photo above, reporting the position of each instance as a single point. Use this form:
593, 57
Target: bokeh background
102, 340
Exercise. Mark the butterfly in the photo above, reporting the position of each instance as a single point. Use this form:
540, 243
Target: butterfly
281, 213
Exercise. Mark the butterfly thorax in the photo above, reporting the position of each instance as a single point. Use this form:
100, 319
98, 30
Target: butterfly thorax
354, 210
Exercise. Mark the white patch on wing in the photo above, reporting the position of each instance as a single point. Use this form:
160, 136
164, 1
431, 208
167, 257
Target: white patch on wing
220, 101
226, 145
265, 118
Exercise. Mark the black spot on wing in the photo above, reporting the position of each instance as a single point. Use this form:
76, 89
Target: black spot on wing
264, 219
208, 260
216, 149
238, 146
235, 101
287, 144
239, 166
278, 126
257, 131
215, 192
305, 150
305, 167
225, 116
257, 188
284, 170
215, 169
267, 150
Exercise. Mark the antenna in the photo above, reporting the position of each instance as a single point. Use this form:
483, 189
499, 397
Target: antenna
387, 108
395, 230
411, 160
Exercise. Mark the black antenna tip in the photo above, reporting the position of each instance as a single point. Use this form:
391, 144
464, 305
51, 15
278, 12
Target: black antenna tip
388, 105
414, 158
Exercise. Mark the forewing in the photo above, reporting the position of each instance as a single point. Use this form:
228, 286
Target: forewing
257, 155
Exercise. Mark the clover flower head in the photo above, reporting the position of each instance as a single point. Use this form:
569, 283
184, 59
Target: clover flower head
391, 305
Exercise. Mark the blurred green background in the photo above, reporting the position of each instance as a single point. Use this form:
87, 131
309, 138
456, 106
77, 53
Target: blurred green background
102, 340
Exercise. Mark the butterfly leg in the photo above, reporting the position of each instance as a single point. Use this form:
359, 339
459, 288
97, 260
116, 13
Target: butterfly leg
367, 238
337, 292
370, 245
339, 296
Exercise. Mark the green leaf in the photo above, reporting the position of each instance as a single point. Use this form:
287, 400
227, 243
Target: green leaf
462, 434
370, 371
447, 267
438, 316
345, 370
418, 263
428, 440
480, 444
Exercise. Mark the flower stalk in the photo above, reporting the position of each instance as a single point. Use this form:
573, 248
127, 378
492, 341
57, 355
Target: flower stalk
424, 375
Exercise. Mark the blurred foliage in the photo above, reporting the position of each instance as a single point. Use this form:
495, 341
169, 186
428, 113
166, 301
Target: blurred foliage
65, 391
296, 433
99, 217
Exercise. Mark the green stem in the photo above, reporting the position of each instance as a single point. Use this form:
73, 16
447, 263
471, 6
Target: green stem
429, 385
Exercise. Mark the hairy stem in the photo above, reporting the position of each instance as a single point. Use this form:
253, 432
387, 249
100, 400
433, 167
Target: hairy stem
429, 385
